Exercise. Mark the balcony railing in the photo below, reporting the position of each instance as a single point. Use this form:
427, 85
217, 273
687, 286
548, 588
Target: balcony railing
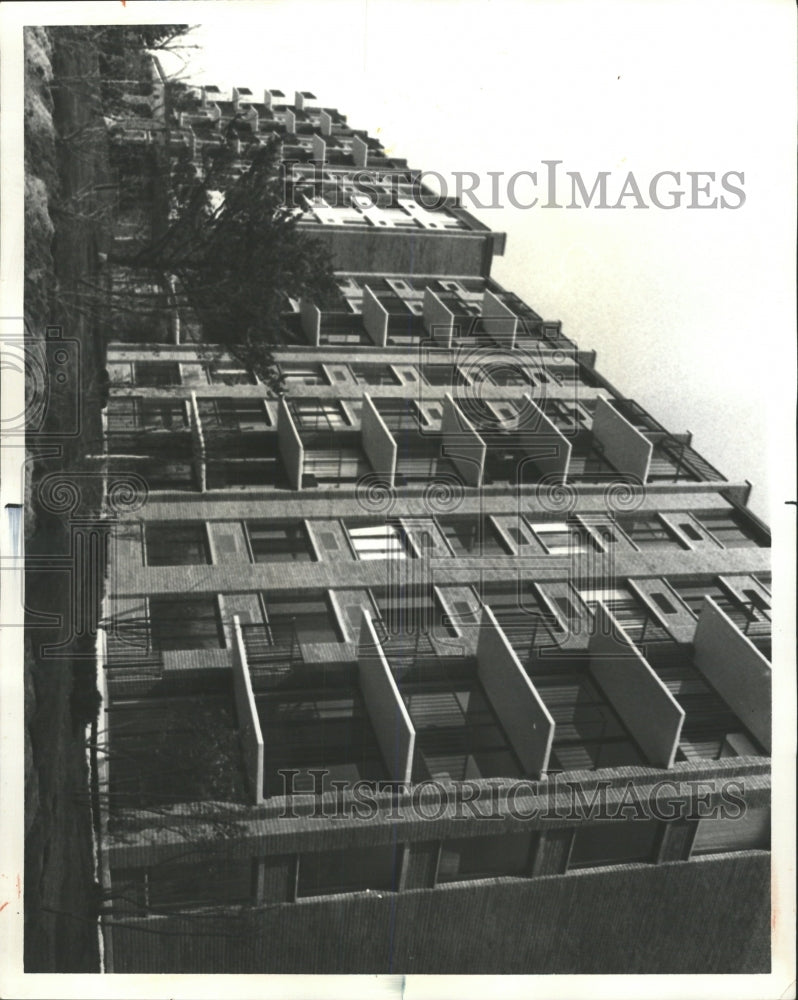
272, 652
131, 652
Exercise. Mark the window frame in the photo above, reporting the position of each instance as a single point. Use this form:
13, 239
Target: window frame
173, 527
305, 596
184, 600
300, 525
400, 536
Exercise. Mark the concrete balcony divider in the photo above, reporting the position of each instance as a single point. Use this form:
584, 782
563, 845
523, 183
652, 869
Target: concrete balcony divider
319, 148
624, 446
735, 668
375, 318
247, 712
646, 707
438, 319
549, 447
325, 123
290, 446
198, 442
498, 320
389, 717
360, 152
462, 445
526, 721
379, 443
310, 317
290, 122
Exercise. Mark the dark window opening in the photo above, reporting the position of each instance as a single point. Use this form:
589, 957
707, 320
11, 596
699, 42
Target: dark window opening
615, 843
309, 617
663, 603
494, 856
352, 870
365, 374
279, 542
186, 623
174, 544
156, 373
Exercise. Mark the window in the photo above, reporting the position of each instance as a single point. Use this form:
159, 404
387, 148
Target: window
588, 734
403, 611
184, 885
354, 869
614, 843
374, 375
342, 338
638, 621
276, 542
174, 747
303, 375
756, 601
158, 473
566, 416
399, 413
229, 373
648, 531
458, 735
318, 728
334, 466
507, 373
309, 616
174, 544
472, 536
732, 530
311, 414
718, 834
186, 623
379, 541
440, 374
485, 857
692, 533
128, 413
233, 414
236, 472
155, 373
750, 616
560, 537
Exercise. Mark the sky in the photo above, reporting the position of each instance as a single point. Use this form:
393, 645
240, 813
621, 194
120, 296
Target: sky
689, 310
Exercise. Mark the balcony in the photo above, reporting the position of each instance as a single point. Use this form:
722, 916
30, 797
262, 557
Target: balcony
459, 716
526, 622
632, 442
589, 733
535, 452
686, 701
740, 599
340, 721
130, 654
273, 655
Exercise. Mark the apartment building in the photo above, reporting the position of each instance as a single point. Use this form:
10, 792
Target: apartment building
373, 645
